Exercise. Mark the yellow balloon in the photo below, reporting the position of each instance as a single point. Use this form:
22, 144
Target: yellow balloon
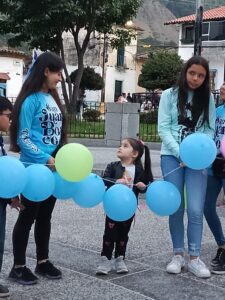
74, 162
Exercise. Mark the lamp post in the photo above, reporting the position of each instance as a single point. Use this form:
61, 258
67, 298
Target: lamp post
198, 28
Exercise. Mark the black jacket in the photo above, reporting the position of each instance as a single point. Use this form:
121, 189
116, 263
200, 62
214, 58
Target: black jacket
115, 171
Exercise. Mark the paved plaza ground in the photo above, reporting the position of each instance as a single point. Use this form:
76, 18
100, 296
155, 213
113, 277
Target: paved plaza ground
75, 248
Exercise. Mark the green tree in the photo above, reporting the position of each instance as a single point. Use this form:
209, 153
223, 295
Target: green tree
41, 23
160, 70
89, 81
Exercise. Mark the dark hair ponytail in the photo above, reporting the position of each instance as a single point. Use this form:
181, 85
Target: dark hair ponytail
148, 165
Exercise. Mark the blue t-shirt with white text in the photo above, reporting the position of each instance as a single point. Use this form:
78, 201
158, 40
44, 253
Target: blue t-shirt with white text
40, 125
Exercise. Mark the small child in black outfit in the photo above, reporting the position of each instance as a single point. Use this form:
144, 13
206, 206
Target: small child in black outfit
129, 171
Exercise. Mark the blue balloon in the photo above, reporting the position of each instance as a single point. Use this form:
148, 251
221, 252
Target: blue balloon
13, 177
90, 191
163, 198
120, 202
63, 189
198, 151
40, 183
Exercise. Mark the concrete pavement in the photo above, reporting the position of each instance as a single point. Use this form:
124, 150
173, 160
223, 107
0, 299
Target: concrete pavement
75, 248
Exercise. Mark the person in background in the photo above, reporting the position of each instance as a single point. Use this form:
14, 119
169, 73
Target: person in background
129, 98
37, 131
216, 181
186, 108
129, 171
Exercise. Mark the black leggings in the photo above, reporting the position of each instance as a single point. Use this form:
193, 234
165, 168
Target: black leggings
41, 212
115, 235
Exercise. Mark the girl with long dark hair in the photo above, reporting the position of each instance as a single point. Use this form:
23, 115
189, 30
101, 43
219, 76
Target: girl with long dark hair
186, 108
37, 131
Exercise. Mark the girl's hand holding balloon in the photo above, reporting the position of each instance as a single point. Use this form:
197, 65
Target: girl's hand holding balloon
141, 186
182, 165
51, 163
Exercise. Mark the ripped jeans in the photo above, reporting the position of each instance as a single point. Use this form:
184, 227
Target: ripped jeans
115, 235
195, 182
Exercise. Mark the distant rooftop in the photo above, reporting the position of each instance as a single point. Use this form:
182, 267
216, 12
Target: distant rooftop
13, 53
215, 14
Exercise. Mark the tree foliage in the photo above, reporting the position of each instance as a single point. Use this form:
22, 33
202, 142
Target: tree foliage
41, 23
160, 70
90, 80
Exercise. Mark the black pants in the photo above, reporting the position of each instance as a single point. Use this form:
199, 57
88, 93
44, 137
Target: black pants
41, 213
3, 204
115, 235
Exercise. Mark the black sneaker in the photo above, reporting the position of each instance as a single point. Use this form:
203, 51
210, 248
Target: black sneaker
219, 269
23, 275
48, 270
4, 292
216, 260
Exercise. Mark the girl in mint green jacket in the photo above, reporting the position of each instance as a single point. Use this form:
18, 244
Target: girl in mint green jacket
186, 108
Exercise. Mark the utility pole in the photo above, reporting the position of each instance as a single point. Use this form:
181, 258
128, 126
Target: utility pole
198, 28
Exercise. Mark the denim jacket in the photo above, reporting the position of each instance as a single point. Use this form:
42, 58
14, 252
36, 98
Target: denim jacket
169, 129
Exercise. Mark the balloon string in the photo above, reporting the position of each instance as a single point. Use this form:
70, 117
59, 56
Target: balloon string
160, 177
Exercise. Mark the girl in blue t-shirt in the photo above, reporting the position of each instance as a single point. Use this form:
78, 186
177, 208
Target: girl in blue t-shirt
37, 131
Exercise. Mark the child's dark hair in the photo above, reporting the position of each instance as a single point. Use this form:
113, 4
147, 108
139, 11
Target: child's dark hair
201, 95
141, 148
5, 104
33, 84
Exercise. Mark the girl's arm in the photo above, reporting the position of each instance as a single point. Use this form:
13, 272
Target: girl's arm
26, 117
164, 123
108, 174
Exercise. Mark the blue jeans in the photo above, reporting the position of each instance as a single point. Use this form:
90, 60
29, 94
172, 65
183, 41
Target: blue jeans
195, 182
213, 189
3, 204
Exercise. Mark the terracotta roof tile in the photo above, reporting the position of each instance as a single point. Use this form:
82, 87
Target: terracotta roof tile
214, 14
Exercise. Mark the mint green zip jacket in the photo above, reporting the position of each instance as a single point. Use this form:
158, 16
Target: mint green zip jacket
170, 132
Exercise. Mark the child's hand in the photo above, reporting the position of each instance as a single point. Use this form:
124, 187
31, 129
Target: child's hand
122, 181
15, 203
141, 186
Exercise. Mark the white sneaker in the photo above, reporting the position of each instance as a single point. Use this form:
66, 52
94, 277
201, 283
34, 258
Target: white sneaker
176, 264
120, 266
198, 268
104, 267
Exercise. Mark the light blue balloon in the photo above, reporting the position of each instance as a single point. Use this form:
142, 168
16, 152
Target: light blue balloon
63, 189
198, 151
90, 191
163, 198
120, 202
40, 183
13, 177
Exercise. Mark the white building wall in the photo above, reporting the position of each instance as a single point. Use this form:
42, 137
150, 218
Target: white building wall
14, 68
215, 56
128, 78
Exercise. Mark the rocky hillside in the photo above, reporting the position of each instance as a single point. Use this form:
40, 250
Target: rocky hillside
154, 13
